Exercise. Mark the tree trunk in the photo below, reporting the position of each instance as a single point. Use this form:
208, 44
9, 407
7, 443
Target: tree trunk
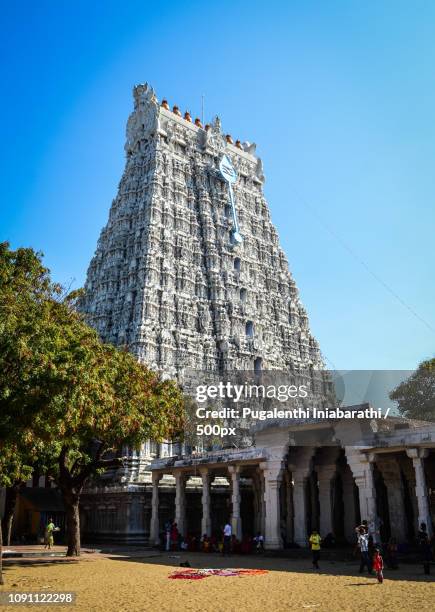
72, 524
1, 554
8, 518
71, 482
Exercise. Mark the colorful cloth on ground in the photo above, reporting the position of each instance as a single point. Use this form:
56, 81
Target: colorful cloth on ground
199, 574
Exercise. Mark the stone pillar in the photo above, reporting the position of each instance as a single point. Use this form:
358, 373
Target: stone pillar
262, 503
418, 456
409, 473
300, 477
154, 523
236, 521
272, 471
289, 507
259, 500
313, 493
206, 517
301, 467
180, 501
325, 474
390, 469
362, 470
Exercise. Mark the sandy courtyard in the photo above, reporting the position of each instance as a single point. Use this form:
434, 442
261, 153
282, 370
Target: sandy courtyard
113, 584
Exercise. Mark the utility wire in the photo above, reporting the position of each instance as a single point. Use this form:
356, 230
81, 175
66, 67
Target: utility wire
349, 249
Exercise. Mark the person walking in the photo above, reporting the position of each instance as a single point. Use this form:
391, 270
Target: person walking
363, 543
227, 539
378, 565
315, 540
49, 531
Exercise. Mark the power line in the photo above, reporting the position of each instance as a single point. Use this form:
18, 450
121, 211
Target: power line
349, 249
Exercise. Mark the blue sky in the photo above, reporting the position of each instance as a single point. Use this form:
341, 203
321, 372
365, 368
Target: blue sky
338, 96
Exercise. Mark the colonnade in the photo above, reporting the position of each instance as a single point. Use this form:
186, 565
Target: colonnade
304, 488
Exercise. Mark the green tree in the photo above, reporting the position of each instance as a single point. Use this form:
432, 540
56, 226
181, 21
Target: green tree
64, 392
25, 288
114, 401
415, 397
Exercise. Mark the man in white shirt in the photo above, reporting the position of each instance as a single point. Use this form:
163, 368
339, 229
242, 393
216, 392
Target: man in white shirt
363, 543
227, 538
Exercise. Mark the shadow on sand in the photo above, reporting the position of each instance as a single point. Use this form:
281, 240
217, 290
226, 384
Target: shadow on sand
406, 572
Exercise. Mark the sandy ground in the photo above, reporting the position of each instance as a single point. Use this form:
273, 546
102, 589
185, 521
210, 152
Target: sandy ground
115, 584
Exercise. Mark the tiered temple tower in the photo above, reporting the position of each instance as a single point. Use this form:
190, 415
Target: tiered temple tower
188, 278
169, 279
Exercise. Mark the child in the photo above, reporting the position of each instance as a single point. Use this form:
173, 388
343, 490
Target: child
378, 565
315, 540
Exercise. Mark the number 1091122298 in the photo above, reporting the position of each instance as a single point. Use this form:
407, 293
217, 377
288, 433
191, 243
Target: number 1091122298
28, 598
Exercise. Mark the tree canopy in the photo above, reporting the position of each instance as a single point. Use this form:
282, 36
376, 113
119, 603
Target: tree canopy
66, 398
415, 397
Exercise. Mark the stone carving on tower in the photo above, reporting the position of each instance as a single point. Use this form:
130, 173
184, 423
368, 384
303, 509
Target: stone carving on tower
169, 280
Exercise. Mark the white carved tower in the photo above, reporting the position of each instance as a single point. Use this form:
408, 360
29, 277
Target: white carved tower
184, 275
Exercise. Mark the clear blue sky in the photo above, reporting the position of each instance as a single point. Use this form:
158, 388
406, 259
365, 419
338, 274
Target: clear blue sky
338, 96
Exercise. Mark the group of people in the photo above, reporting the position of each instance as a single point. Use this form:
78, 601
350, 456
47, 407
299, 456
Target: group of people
224, 542
370, 553
371, 550
370, 558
